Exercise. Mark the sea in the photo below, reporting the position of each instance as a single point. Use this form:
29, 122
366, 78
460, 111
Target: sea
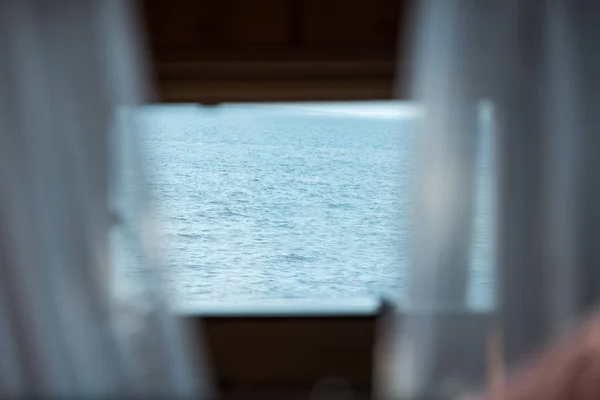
272, 202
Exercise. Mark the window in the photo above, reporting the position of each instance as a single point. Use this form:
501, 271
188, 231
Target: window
277, 201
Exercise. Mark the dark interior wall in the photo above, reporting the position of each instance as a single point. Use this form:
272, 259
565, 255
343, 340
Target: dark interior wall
273, 50
287, 357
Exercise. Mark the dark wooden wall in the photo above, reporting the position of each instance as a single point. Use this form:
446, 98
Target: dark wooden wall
274, 50
278, 357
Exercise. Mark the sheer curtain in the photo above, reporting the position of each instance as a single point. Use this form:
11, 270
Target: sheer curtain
73, 213
537, 63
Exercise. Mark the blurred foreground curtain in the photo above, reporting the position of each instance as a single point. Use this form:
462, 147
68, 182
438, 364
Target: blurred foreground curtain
535, 63
73, 215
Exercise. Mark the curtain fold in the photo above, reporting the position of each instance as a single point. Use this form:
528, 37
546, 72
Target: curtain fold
71, 225
536, 63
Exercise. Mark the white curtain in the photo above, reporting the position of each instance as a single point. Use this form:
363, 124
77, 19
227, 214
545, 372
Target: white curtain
537, 63
73, 214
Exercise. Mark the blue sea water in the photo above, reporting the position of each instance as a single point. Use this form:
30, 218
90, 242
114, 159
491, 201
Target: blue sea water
277, 203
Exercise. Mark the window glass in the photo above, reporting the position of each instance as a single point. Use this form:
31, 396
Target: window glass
278, 201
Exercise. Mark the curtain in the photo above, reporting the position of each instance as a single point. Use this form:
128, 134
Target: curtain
74, 218
536, 63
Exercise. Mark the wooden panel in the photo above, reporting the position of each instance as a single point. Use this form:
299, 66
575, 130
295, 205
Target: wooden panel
288, 356
214, 92
259, 21
350, 22
272, 50
183, 28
